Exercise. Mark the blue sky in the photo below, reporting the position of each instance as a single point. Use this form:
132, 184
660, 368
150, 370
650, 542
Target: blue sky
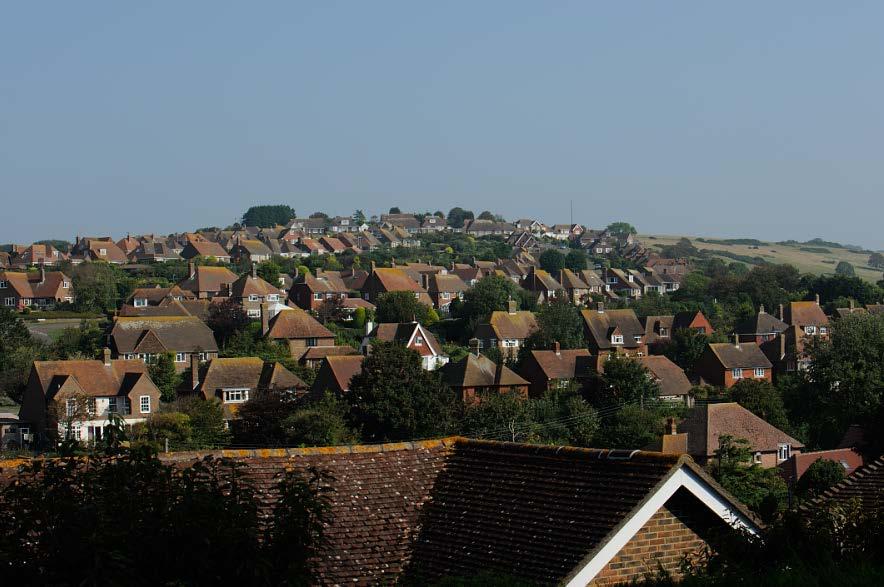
751, 119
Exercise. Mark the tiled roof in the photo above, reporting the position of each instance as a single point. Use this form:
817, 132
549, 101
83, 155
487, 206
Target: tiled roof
207, 278
669, 376
246, 372
394, 279
254, 247
204, 249
706, 423
448, 282
516, 325
850, 459
338, 370
325, 282
865, 485
296, 323
479, 371
601, 324
571, 280
161, 333
94, 377
747, 355
761, 323
561, 365
402, 332
248, 285
653, 326
804, 314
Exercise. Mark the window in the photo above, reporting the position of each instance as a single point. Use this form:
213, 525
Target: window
823, 330
112, 405
616, 339
4, 284
140, 302
9, 301
180, 357
102, 252
810, 330
236, 396
254, 313
71, 408
510, 343
759, 372
26, 301
445, 295
784, 451
756, 458
312, 342
664, 332
272, 297
125, 406
145, 404
637, 337
253, 298
418, 340
203, 356
90, 406
417, 295
26, 432
737, 373
318, 296
76, 431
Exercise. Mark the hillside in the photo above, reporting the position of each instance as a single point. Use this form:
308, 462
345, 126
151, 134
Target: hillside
808, 258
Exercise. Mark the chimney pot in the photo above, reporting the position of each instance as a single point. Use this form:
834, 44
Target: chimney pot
600, 307
511, 305
817, 299
106, 355
673, 428
194, 370
254, 270
557, 348
474, 346
761, 309
781, 314
851, 304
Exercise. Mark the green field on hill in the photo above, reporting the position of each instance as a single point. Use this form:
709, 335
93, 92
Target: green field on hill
808, 258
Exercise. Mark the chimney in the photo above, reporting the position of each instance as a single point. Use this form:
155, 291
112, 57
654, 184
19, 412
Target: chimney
43, 274
673, 428
296, 273
557, 348
106, 355
372, 268
254, 271
761, 309
511, 305
780, 313
817, 299
425, 281
392, 261
737, 341
474, 346
191, 270
369, 326
498, 372
194, 370
265, 318
851, 303
600, 307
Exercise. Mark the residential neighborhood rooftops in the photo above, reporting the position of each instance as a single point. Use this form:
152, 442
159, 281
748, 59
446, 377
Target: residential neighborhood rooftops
296, 323
516, 325
705, 424
746, 355
95, 378
805, 314
159, 334
479, 371
602, 323
246, 372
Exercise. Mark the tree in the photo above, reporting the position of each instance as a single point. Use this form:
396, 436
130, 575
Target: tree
576, 260
621, 229
208, 428
94, 288
762, 490
486, 215
227, 318
322, 215
557, 321
163, 374
269, 271
490, 293
260, 420
876, 260
159, 428
819, 476
320, 423
395, 210
268, 216
393, 398
402, 306
82, 342
624, 381
845, 268
684, 248
359, 217
762, 399
630, 427
552, 261
457, 217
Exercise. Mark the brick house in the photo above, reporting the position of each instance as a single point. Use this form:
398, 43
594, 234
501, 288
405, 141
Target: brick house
760, 327
705, 424
411, 335
40, 290
144, 338
544, 286
206, 282
796, 466
335, 375
613, 331
658, 330
82, 394
695, 321
298, 329
233, 381
476, 375
809, 317
250, 291
443, 288
40, 254
552, 369
723, 364
506, 330
385, 280
97, 249
250, 250
575, 288
205, 249
309, 292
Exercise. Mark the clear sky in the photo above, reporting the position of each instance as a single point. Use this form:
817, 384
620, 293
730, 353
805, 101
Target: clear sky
755, 119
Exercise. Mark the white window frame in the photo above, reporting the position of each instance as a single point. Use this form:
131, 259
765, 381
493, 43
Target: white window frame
272, 297
26, 301
4, 284
737, 373
254, 313
70, 407
616, 339
756, 458
144, 401
784, 452
180, 357
510, 343
823, 330
318, 297
9, 302
65, 284
140, 302
254, 298
759, 372
112, 406
810, 330
418, 340
236, 395
102, 252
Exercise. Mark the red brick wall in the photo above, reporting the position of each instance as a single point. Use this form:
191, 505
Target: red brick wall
683, 527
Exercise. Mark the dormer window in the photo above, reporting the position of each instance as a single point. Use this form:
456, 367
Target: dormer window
236, 396
664, 331
810, 330
637, 338
616, 339
102, 252
140, 302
